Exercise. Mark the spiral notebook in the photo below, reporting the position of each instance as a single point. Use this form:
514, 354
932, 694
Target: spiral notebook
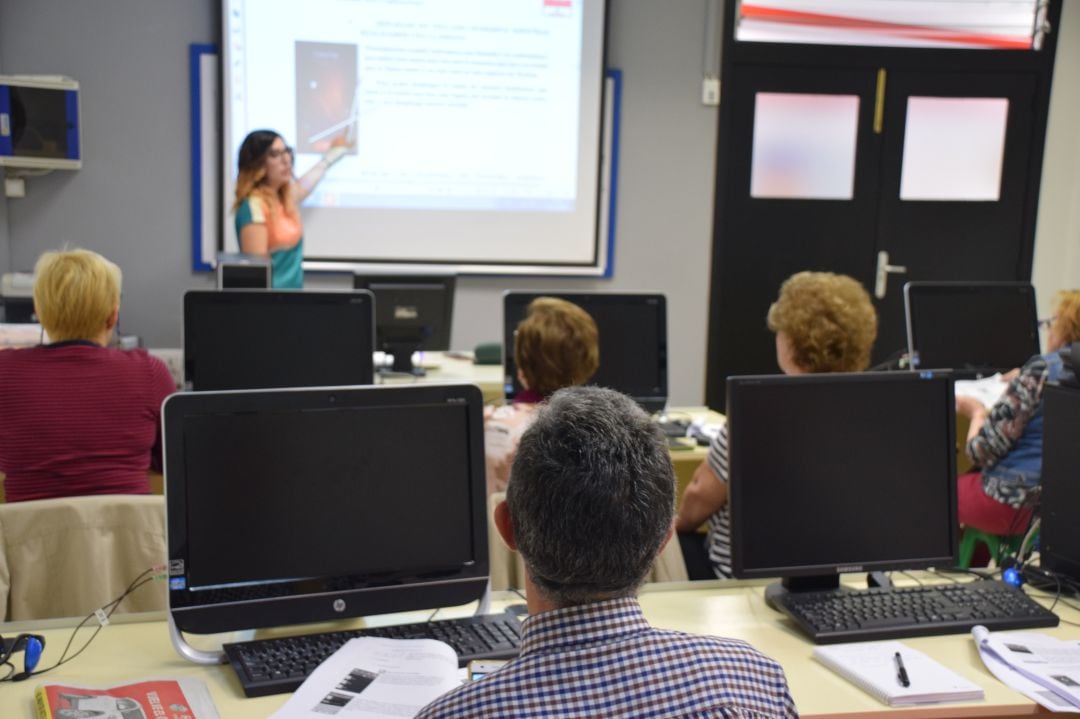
873, 666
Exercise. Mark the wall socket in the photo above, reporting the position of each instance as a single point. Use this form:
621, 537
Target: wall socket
710, 91
14, 187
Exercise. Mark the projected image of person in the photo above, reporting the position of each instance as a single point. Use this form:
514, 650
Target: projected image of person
268, 198
76, 416
1005, 441
823, 322
557, 345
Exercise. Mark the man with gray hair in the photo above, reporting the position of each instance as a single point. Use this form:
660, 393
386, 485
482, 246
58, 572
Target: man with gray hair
589, 505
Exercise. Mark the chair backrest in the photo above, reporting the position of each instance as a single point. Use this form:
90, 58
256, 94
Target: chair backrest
508, 571
66, 557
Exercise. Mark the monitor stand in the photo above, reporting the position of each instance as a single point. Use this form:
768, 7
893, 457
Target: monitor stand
402, 354
198, 656
817, 583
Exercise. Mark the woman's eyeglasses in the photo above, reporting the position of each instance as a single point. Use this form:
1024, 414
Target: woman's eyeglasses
273, 153
1046, 323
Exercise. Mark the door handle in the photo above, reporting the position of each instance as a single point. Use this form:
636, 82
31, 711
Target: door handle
884, 269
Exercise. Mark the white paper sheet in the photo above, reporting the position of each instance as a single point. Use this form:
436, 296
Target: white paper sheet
372, 677
987, 390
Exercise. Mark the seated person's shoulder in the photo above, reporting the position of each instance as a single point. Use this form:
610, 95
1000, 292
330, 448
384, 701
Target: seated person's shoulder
155, 370
724, 653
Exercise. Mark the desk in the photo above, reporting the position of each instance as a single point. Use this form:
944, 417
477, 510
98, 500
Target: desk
128, 651
443, 369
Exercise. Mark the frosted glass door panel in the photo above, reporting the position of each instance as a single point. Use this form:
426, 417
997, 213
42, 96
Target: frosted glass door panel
804, 146
953, 148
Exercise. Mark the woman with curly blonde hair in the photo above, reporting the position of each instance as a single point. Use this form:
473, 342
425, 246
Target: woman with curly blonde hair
824, 322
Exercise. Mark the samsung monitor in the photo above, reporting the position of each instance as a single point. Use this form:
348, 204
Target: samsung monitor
973, 327
1059, 534
255, 339
633, 341
411, 314
836, 473
293, 506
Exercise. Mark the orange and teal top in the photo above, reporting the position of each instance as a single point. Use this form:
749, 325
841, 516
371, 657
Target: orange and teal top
285, 239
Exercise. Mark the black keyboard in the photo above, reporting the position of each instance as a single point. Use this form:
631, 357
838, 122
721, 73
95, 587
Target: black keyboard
276, 666
896, 612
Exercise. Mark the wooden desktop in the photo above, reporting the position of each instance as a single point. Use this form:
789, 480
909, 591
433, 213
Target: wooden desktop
137, 646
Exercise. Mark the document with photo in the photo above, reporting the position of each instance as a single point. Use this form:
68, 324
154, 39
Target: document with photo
373, 677
1044, 664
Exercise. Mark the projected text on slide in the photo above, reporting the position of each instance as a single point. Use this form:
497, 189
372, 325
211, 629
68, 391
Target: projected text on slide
480, 114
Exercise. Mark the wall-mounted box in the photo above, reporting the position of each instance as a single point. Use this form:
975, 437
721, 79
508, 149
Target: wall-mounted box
39, 122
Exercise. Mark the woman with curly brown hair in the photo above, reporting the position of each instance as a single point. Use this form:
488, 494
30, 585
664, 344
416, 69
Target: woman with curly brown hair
824, 322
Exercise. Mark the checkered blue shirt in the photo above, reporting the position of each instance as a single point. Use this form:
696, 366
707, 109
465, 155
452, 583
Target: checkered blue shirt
604, 660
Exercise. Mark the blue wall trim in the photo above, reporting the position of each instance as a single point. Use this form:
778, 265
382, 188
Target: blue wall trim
616, 105
5, 108
71, 101
195, 52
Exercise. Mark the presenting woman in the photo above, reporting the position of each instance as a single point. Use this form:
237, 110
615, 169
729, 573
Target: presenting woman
268, 201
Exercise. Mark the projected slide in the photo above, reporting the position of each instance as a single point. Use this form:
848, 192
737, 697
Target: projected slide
474, 126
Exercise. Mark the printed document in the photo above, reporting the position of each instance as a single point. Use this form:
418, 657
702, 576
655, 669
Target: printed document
374, 677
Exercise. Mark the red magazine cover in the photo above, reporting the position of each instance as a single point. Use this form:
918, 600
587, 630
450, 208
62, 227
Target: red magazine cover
147, 699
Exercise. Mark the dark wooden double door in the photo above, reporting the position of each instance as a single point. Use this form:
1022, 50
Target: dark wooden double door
759, 241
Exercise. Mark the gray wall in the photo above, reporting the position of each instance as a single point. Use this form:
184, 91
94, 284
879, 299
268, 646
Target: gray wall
1057, 233
132, 200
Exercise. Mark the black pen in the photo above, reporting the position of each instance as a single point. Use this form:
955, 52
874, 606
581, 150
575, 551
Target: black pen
901, 672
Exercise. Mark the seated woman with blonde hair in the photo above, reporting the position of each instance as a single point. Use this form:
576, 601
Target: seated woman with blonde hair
77, 417
824, 322
555, 346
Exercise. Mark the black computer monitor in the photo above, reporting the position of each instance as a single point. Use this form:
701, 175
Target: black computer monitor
237, 270
1059, 534
295, 506
249, 339
411, 313
973, 327
841, 473
633, 341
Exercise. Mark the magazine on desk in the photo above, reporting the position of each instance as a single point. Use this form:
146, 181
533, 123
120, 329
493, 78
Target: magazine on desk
185, 698
1042, 668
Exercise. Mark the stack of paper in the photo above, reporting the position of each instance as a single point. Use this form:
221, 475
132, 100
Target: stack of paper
1042, 668
874, 667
